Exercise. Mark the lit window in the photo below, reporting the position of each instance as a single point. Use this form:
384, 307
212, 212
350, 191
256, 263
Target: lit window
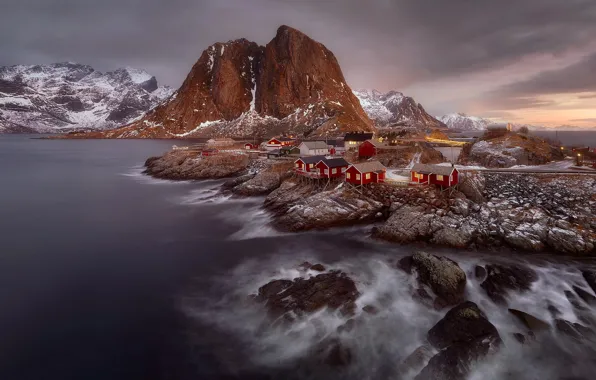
367, 176
297, 165
357, 177
348, 175
333, 171
439, 177
311, 166
451, 178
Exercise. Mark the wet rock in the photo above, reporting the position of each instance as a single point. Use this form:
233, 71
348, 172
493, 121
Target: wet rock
479, 272
369, 309
553, 310
462, 323
464, 337
318, 268
574, 301
263, 183
566, 241
523, 339
347, 327
334, 290
446, 279
405, 264
334, 353
501, 279
414, 362
408, 224
186, 165
590, 277
588, 297
231, 183
531, 322
573, 330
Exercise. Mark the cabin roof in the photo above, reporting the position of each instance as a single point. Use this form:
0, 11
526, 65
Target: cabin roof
315, 144
311, 159
358, 136
369, 167
433, 169
335, 162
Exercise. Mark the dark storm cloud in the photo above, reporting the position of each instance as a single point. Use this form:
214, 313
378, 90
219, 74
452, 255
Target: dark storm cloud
380, 43
578, 77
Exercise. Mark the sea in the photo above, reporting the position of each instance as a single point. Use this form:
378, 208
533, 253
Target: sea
108, 274
569, 138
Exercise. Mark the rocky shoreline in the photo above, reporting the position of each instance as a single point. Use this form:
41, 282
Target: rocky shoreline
527, 212
455, 345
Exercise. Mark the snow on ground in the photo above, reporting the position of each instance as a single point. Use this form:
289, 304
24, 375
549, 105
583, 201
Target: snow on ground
198, 128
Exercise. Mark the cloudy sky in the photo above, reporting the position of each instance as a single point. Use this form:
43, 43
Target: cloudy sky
524, 61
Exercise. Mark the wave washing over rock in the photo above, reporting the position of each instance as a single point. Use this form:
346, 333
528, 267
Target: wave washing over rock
373, 316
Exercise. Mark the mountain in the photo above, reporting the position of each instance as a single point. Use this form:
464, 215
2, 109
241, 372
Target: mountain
463, 122
62, 97
394, 109
293, 85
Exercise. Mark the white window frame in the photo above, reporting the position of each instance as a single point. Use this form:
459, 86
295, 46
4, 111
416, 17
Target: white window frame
310, 166
367, 176
327, 171
358, 177
440, 177
348, 176
334, 171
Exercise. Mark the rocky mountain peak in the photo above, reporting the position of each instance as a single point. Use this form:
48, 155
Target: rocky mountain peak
238, 88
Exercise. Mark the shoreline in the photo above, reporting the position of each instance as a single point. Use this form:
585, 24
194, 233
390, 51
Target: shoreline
541, 214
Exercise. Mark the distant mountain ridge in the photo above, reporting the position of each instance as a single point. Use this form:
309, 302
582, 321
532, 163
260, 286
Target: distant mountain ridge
463, 122
68, 96
393, 110
294, 85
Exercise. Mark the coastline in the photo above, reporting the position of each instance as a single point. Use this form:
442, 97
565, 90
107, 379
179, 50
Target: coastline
533, 213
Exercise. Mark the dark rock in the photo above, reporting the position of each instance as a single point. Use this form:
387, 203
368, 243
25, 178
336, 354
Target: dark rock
573, 330
588, 297
369, 309
456, 361
480, 272
347, 327
463, 323
334, 353
574, 301
318, 268
334, 290
414, 362
405, 263
554, 311
521, 338
501, 279
531, 322
590, 277
446, 279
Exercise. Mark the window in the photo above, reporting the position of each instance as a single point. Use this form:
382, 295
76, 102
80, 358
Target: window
326, 171
451, 178
439, 177
311, 165
357, 177
333, 171
348, 175
297, 165
367, 176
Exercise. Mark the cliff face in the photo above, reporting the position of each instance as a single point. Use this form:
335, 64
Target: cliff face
293, 85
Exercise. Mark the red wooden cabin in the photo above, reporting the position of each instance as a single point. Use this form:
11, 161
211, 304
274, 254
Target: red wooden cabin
365, 173
332, 167
444, 176
307, 164
368, 149
249, 146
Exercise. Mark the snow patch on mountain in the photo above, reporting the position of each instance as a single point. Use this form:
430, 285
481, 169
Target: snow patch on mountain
68, 96
395, 110
464, 122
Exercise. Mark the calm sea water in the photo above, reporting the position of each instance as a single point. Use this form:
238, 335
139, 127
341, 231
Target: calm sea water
107, 274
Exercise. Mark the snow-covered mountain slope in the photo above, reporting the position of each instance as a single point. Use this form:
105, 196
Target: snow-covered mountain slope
464, 122
68, 96
394, 109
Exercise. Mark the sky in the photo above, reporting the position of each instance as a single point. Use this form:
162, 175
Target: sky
522, 61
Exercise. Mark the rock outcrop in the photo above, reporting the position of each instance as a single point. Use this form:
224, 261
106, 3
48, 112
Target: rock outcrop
184, 165
464, 336
334, 290
293, 85
63, 97
443, 275
501, 279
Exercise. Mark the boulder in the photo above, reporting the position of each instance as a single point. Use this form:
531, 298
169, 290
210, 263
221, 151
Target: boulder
531, 322
318, 268
463, 323
446, 279
414, 362
263, 183
566, 241
464, 336
232, 183
480, 272
501, 279
407, 224
334, 290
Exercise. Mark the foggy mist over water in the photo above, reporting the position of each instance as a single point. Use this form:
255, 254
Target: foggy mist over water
109, 274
